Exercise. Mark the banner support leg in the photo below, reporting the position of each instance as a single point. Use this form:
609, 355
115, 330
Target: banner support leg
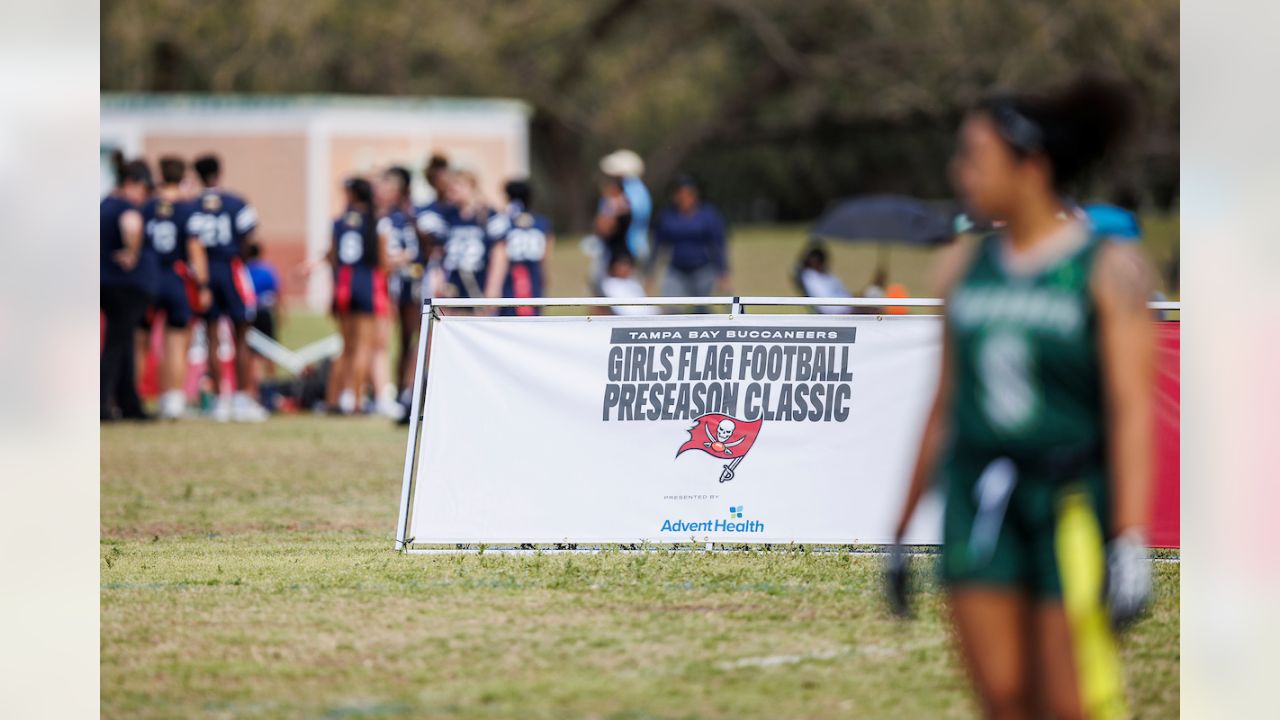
413, 441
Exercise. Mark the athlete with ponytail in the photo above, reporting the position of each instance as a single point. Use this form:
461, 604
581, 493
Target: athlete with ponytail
359, 292
1041, 431
526, 242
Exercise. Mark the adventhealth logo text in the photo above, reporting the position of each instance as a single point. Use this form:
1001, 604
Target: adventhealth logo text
733, 523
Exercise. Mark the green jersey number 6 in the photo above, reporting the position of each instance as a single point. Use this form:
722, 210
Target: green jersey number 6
1009, 396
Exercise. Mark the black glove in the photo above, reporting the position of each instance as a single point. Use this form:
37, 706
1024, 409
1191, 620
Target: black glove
1128, 578
897, 582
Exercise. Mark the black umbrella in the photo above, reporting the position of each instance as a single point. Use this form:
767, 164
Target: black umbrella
886, 219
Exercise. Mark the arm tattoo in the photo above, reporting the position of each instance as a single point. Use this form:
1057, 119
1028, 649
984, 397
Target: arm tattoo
1125, 279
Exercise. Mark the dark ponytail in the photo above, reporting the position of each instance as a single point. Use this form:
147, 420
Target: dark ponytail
1075, 127
117, 167
129, 170
362, 192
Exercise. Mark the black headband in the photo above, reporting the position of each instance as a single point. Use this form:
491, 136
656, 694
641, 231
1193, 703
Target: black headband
1022, 133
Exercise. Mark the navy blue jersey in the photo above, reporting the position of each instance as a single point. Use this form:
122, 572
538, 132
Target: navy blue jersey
397, 228
142, 275
526, 235
466, 250
351, 246
222, 220
430, 217
164, 224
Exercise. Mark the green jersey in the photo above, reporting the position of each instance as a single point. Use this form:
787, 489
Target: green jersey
1027, 494
1024, 358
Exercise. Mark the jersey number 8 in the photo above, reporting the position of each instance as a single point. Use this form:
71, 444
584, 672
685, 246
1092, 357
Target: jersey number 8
350, 247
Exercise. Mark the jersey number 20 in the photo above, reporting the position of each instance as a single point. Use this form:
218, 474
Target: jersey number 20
526, 245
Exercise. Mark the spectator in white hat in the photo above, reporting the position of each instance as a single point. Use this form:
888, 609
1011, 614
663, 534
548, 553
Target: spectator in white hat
628, 167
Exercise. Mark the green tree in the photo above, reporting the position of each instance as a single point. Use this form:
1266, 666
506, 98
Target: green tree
780, 105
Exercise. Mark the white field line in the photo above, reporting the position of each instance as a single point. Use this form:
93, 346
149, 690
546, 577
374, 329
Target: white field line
765, 661
877, 651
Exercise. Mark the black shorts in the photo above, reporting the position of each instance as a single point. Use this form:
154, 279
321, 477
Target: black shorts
406, 291
265, 322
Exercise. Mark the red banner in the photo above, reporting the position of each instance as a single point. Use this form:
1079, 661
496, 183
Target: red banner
1165, 513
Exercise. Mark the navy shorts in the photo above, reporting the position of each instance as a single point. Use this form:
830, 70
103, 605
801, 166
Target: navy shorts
232, 291
359, 289
175, 297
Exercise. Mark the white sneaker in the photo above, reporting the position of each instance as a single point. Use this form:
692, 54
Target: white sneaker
246, 409
347, 402
221, 411
387, 405
173, 404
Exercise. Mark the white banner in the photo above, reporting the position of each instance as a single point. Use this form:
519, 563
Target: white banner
710, 428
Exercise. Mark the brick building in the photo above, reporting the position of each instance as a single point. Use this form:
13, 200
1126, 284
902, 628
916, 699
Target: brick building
289, 154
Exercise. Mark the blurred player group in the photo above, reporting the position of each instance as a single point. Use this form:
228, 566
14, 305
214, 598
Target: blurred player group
179, 252
184, 254
387, 255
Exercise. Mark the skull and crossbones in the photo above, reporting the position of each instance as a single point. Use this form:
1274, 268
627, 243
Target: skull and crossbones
719, 442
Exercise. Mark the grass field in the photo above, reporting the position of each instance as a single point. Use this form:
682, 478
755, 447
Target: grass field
247, 571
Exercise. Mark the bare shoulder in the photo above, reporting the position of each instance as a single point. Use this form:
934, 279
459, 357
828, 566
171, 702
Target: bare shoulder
953, 261
1122, 277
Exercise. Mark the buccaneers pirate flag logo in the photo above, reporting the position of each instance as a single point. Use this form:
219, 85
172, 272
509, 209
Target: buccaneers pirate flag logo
723, 437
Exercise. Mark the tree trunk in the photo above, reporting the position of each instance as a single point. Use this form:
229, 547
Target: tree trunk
560, 150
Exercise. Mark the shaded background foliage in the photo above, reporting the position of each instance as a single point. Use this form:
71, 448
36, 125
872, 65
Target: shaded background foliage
779, 106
